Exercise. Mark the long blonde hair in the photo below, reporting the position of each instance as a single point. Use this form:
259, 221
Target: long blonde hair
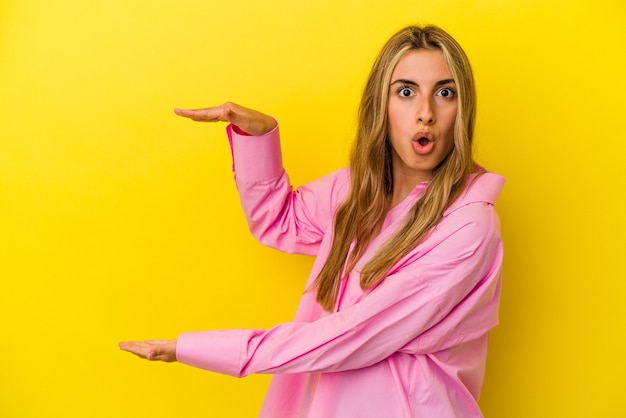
370, 168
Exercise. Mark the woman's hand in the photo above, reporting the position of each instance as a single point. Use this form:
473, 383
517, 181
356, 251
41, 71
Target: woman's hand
155, 350
248, 120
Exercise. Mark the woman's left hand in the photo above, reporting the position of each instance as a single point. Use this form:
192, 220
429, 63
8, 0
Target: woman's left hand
154, 350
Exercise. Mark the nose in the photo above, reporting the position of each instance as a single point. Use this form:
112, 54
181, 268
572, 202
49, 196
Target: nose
425, 113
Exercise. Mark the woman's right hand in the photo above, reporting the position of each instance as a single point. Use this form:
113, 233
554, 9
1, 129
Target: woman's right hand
248, 120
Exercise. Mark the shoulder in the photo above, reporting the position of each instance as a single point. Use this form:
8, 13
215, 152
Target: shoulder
482, 189
471, 221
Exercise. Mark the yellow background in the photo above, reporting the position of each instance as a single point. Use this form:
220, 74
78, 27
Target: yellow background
120, 221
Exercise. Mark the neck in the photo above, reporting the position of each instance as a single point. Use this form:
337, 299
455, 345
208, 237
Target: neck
403, 185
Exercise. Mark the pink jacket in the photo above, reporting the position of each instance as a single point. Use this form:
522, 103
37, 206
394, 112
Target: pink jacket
414, 346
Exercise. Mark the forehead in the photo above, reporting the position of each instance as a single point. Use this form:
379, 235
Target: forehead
425, 65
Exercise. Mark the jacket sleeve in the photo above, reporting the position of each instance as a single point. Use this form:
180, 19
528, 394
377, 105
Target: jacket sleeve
406, 312
293, 221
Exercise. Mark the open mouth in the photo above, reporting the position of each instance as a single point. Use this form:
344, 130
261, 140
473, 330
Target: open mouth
423, 141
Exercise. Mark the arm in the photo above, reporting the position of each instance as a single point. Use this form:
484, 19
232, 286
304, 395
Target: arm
290, 220
293, 221
432, 302
274, 211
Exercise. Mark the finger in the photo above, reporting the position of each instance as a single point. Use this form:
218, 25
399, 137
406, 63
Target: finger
227, 112
209, 114
127, 345
137, 348
153, 350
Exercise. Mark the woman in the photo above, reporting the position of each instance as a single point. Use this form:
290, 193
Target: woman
406, 283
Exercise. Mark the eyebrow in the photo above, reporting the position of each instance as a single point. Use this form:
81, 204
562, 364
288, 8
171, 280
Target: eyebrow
413, 83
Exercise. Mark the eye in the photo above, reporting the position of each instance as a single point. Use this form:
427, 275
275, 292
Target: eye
405, 92
446, 92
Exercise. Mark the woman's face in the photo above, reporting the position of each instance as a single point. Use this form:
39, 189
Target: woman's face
422, 110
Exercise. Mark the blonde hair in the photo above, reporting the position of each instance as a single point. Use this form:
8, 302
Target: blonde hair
370, 168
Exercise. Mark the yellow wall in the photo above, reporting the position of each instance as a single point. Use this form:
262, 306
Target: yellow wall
120, 221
